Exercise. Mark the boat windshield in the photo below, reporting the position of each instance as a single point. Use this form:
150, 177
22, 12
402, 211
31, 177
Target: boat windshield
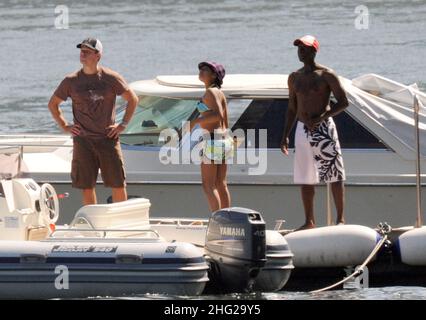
153, 115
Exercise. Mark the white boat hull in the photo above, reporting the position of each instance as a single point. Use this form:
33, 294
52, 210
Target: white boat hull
85, 268
366, 205
380, 184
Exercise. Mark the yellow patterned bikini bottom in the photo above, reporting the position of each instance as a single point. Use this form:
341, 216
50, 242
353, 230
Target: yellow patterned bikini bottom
218, 150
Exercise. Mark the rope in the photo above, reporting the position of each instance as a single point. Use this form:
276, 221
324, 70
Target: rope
384, 230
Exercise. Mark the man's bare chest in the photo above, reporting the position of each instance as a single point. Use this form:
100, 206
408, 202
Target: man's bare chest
304, 84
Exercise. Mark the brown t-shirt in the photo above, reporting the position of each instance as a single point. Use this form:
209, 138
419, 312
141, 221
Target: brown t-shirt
93, 99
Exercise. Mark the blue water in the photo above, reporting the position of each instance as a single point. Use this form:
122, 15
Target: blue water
143, 39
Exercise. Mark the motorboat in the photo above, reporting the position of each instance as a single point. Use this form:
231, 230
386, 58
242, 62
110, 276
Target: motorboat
115, 250
376, 133
94, 259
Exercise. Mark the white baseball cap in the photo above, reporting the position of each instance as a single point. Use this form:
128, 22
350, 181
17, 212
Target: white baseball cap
92, 43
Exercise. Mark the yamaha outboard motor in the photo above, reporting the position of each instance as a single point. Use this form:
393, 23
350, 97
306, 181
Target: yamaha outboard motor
236, 248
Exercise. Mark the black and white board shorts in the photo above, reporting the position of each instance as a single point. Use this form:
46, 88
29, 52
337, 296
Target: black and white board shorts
318, 156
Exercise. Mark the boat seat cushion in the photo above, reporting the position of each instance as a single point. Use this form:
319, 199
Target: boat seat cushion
133, 213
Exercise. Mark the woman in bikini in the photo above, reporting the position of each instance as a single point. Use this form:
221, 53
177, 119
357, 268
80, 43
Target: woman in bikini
214, 119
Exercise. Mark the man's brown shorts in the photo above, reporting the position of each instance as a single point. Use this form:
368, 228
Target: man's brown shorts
92, 154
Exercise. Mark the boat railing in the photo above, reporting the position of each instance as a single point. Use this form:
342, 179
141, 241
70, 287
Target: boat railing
103, 233
178, 222
35, 140
22, 145
17, 147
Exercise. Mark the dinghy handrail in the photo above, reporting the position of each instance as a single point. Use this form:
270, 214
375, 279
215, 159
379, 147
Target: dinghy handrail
179, 221
103, 231
278, 224
383, 229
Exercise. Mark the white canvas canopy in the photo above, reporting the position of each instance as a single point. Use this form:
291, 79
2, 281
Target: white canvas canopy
389, 106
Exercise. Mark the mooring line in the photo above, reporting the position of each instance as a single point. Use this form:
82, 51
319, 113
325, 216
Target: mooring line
384, 230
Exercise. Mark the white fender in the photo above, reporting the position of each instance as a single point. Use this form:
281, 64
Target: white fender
412, 247
334, 246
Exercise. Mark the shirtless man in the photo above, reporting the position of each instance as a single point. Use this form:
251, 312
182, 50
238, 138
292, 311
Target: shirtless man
318, 156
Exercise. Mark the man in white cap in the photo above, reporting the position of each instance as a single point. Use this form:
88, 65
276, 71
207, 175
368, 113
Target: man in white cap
318, 156
93, 91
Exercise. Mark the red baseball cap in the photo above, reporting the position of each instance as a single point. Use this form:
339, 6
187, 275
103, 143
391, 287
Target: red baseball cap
309, 41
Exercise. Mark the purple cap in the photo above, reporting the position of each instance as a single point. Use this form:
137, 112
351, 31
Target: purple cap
217, 68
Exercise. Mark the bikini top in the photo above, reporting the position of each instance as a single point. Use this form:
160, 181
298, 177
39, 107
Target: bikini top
202, 107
